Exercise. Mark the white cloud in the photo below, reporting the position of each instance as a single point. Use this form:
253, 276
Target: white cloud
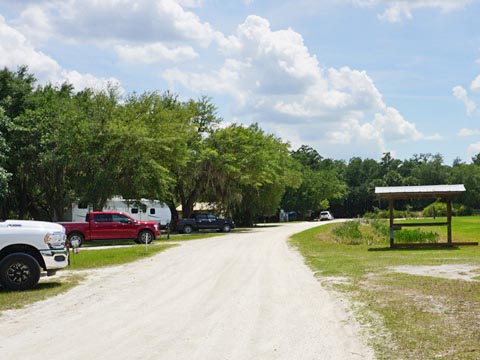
82, 81
461, 94
397, 10
119, 21
154, 53
475, 85
275, 80
35, 23
17, 51
394, 127
468, 132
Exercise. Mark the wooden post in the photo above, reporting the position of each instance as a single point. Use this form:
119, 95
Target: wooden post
390, 208
449, 221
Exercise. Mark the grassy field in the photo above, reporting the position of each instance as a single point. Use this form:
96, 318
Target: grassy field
464, 228
89, 259
407, 316
86, 259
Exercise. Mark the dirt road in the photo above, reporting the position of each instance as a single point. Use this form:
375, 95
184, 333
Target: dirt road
240, 296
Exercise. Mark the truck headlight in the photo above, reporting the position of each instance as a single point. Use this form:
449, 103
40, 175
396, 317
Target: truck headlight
55, 240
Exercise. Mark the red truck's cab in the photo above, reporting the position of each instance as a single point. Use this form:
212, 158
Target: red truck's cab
107, 225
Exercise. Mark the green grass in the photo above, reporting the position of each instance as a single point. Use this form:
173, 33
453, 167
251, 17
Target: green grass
464, 228
409, 317
45, 289
88, 259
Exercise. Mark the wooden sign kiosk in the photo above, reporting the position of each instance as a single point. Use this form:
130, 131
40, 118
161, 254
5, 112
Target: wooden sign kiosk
446, 192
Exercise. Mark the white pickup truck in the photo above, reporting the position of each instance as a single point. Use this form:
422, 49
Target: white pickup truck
26, 247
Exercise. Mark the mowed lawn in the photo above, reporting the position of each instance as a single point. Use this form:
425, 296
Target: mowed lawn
464, 228
408, 316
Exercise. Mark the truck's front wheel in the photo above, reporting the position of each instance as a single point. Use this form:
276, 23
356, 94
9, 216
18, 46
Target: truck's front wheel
145, 236
187, 229
19, 271
75, 236
226, 228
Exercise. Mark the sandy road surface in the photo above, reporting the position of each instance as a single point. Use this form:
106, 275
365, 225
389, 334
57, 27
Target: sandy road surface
242, 296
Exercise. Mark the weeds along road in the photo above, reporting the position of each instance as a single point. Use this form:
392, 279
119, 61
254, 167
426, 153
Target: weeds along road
240, 296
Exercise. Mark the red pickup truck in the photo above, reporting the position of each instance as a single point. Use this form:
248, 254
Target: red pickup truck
106, 225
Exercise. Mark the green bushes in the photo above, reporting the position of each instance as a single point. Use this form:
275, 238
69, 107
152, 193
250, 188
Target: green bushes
438, 209
385, 214
348, 233
406, 235
354, 233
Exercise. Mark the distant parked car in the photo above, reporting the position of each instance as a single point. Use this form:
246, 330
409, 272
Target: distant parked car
204, 222
326, 215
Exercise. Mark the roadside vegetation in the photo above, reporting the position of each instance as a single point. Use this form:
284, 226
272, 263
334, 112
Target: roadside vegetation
406, 316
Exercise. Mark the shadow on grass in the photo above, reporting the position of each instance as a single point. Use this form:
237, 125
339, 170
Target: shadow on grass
95, 243
263, 226
415, 248
38, 287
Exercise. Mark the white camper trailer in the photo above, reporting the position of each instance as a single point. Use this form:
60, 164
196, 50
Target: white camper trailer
144, 209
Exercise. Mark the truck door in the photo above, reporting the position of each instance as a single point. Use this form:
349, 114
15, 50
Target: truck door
101, 226
124, 227
213, 220
202, 221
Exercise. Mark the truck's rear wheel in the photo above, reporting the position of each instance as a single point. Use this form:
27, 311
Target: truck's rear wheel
75, 236
145, 236
187, 229
19, 271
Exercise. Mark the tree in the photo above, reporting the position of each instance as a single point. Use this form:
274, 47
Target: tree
16, 92
247, 171
321, 183
195, 121
4, 175
476, 159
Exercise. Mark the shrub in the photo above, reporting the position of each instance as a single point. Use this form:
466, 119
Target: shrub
406, 235
416, 236
435, 209
440, 209
385, 214
348, 233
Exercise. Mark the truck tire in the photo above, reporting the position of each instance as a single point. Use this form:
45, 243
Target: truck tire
145, 236
226, 228
75, 236
19, 271
187, 229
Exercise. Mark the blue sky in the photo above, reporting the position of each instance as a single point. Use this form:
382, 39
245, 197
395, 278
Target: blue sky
347, 77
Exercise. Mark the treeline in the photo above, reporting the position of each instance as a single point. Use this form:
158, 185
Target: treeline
58, 146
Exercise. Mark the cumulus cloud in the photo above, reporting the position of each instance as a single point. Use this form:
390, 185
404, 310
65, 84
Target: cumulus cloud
17, 51
396, 11
394, 127
461, 94
275, 80
121, 21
